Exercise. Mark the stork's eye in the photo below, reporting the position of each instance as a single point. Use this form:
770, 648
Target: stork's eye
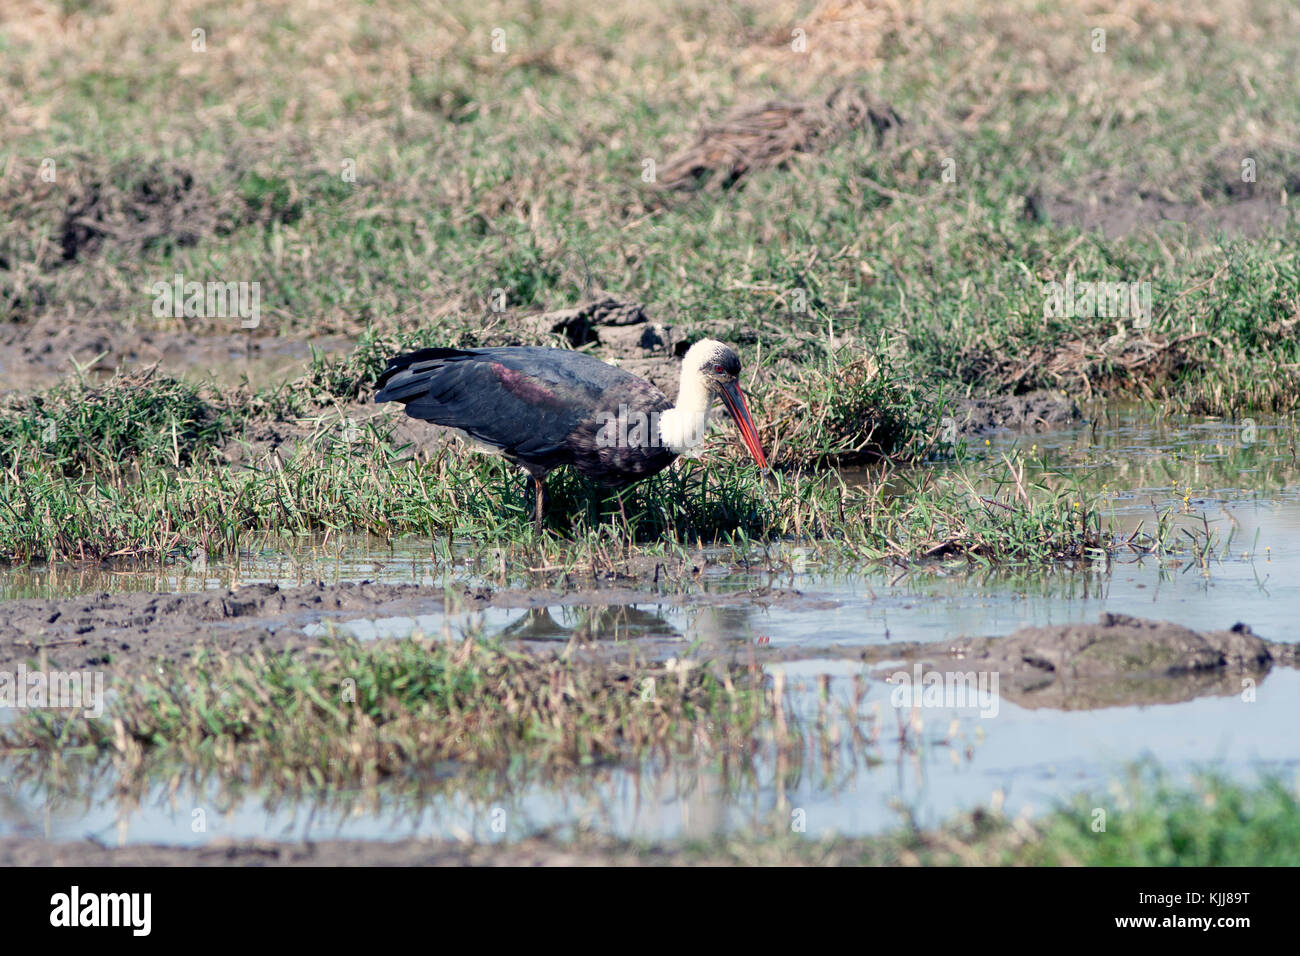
718, 369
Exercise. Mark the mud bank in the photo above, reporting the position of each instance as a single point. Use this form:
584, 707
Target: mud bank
20, 851
119, 631
37, 354
533, 851
1120, 660
1034, 411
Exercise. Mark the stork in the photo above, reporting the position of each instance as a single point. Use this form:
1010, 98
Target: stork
542, 408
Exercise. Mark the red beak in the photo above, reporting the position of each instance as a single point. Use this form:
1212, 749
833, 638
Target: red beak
734, 399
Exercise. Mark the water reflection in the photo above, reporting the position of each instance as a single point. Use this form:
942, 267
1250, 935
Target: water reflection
846, 776
589, 623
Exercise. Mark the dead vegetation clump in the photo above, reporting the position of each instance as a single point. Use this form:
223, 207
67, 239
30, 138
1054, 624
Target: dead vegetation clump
89, 204
770, 136
1085, 367
579, 325
849, 414
136, 207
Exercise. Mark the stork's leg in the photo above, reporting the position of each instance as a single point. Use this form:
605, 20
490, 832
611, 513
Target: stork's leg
541, 500
539, 491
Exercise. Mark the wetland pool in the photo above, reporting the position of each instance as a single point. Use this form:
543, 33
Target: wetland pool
1023, 758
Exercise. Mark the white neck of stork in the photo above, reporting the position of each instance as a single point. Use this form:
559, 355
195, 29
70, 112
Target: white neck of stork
709, 368
683, 426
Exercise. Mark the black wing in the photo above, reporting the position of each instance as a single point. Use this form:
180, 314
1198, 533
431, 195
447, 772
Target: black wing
524, 401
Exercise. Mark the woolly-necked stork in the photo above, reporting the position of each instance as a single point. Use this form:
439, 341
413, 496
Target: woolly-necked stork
541, 408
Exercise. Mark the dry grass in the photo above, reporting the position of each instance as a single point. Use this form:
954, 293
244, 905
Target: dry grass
1127, 361
770, 136
519, 170
161, 202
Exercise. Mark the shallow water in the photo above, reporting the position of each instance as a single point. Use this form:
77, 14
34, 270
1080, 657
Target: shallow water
1247, 491
1025, 760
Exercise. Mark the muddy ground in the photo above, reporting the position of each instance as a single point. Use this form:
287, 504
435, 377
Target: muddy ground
38, 354
119, 632
533, 851
1116, 216
1118, 660
1035, 411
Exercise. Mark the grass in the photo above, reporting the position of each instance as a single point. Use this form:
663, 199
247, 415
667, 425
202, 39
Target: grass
349, 713
341, 715
135, 421
1158, 823
1149, 821
872, 281
396, 717
522, 171
138, 468
134, 469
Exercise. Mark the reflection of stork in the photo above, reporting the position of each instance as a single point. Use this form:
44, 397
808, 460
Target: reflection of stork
723, 625
621, 622
617, 622
542, 408
536, 625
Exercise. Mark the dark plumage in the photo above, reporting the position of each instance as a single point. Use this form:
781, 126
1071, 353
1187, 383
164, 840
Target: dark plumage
542, 408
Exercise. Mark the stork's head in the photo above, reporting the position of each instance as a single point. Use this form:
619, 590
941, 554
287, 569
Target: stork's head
717, 367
